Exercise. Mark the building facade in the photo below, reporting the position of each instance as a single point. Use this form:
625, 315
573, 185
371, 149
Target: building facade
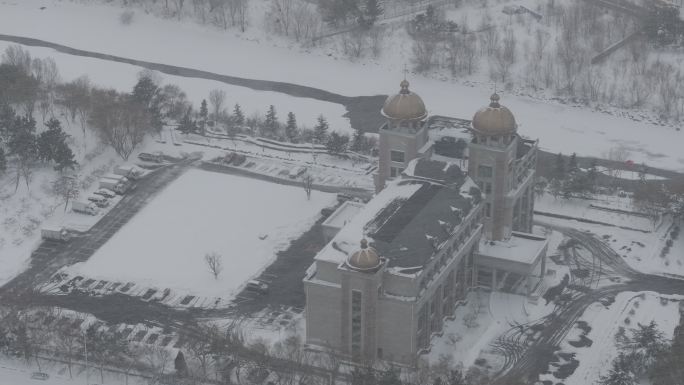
453, 212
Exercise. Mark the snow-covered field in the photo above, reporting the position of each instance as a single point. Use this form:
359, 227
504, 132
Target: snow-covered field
202, 212
628, 310
596, 209
256, 55
122, 77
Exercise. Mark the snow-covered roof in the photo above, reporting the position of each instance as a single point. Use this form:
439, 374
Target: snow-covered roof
407, 222
343, 214
520, 247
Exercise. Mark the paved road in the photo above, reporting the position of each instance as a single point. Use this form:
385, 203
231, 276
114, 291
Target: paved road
528, 349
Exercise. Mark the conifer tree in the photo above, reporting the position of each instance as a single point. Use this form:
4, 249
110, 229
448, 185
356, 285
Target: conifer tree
203, 116
572, 164
186, 124
238, 116
321, 130
559, 168
271, 121
291, 130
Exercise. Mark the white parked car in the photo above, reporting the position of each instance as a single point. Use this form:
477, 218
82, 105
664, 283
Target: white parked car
297, 171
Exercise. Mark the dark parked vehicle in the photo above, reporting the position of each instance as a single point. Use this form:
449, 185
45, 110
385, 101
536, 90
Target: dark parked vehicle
257, 287
239, 159
105, 193
147, 157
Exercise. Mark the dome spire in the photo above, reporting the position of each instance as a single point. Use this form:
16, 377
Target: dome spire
494, 100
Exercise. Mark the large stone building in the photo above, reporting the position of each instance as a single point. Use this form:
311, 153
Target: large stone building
453, 212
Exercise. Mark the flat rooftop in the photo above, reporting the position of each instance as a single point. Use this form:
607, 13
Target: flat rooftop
343, 214
520, 248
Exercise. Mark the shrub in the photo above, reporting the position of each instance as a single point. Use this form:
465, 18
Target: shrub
126, 17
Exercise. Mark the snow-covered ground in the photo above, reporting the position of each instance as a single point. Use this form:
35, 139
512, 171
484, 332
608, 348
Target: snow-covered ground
628, 310
256, 55
494, 313
245, 221
595, 209
122, 77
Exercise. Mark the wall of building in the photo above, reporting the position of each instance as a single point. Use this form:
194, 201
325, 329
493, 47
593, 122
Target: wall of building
408, 141
323, 314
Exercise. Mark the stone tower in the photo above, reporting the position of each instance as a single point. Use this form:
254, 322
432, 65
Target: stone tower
504, 169
403, 134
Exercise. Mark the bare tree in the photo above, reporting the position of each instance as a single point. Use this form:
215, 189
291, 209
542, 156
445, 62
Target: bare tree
217, 98
307, 182
69, 343
121, 123
66, 186
213, 261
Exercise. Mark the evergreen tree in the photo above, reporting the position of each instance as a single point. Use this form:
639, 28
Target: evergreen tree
358, 141
64, 157
321, 130
572, 164
559, 168
238, 116
203, 116
337, 144
291, 130
186, 124
52, 146
620, 373
271, 121
372, 10
3, 161
147, 94
23, 146
180, 365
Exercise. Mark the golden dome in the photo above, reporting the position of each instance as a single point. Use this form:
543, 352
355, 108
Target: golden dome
405, 105
366, 258
494, 119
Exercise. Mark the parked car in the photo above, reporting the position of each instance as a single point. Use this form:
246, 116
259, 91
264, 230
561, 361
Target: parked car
113, 185
130, 172
84, 207
40, 376
147, 157
297, 171
105, 193
327, 211
99, 200
57, 233
239, 159
344, 197
257, 286
228, 157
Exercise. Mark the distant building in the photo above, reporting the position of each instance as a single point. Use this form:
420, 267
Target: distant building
453, 212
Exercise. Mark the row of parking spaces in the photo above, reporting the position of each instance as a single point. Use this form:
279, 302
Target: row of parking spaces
63, 283
132, 333
276, 318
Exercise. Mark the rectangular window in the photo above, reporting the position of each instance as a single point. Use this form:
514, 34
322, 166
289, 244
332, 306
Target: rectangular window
395, 171
397, 156
356, 320
488, 188
488, 209
484, 171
